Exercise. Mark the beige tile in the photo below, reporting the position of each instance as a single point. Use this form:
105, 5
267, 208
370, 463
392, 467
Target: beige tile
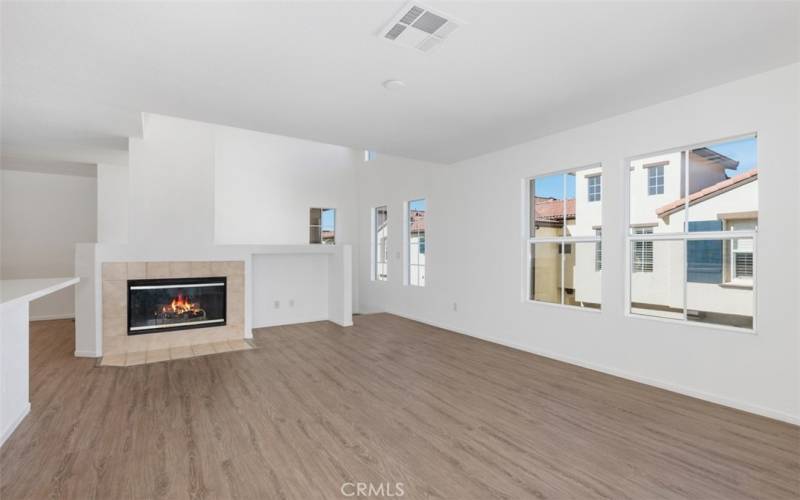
181, 339
137, 270
114, 271
137, 343
157, 355
113, 360
238, 345
180, 352
158, 269
158, 341
203, 349
235, 309
222, 346
114, 326
135, 358
236, 284
201, 269
115, 345
180, 269
227, 268
115, 303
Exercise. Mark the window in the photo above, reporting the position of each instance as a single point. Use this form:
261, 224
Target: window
322, 226
655, 179
369, 155
563, 241
416, 242
594, 187
381, 227
598, 251
643, 252
692, 251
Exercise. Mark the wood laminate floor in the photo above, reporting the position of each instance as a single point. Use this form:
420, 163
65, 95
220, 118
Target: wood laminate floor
388, 400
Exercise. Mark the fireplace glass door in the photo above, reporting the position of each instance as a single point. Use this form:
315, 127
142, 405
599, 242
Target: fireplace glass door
157, 305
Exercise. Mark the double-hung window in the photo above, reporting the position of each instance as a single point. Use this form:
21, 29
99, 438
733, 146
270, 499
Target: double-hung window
564, 237
692, 251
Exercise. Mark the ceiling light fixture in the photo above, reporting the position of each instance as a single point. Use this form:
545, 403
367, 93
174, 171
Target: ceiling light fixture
394, 84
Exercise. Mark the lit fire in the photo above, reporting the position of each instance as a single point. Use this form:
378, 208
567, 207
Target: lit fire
181, 305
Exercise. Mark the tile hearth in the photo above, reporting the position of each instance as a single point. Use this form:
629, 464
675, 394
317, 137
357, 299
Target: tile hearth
173, 353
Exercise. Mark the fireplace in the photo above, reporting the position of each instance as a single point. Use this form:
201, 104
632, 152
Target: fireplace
160, 305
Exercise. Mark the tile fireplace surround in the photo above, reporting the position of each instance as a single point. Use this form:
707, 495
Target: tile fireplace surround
115, 314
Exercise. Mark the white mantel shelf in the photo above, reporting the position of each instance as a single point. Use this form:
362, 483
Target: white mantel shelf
26, 290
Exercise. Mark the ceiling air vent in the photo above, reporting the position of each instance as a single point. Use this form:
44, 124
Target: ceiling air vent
420, 27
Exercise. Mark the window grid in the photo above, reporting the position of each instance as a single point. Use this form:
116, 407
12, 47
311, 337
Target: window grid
732, 237
564, 241
655, 180
594, 187
643, 252
743, 265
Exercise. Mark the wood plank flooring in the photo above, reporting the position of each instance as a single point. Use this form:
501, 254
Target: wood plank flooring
388, 400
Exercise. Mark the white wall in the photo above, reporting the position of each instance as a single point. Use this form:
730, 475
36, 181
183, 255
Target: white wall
476, 258
112, 203
43, 216
299, 285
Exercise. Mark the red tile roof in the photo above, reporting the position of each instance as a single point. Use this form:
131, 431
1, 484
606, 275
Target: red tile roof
712, 190
550, 209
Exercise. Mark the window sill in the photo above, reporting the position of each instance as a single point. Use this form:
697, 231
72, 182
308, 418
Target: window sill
692, 324
563, 306
734, 284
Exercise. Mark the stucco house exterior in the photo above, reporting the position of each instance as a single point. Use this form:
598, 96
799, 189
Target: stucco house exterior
718, 273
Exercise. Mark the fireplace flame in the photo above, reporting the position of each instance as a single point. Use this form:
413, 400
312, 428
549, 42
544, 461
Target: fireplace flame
181, 305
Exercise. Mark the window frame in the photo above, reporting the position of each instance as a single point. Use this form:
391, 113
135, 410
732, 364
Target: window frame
320, 225
594, 188
685, 236
529, 238
407, 265
376, 246
659, 169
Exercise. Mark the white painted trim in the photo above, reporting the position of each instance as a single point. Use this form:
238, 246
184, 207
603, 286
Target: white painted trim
705, 396
15, 423
87, 354
46, 317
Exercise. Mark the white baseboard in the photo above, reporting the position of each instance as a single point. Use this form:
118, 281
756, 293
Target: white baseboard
87, 354
46, 317
15, 423
712, 398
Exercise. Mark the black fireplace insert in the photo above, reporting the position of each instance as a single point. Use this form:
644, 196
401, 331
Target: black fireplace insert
160, 305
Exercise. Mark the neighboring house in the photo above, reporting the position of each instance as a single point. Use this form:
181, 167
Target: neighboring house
416, 233
720, 272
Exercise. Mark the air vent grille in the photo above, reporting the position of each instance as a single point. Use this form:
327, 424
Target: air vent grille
420, 27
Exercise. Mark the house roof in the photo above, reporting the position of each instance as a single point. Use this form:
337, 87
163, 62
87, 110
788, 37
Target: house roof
711, 155
551, 209
710, 191
418, 221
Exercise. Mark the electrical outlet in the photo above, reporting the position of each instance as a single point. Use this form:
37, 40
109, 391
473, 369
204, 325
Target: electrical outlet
277, 304
291, 302
455, 306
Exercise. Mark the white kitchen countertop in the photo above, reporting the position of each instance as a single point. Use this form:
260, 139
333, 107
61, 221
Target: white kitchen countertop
31, 289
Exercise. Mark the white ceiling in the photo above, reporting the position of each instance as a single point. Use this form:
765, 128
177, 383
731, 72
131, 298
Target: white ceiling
77, 76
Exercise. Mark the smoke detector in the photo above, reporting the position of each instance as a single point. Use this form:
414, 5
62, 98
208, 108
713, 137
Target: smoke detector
420, 27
